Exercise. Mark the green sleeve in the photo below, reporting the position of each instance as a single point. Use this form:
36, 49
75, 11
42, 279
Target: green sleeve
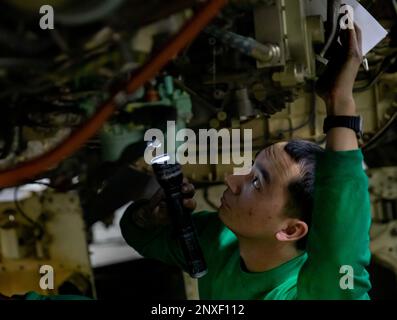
161, 243
339, 231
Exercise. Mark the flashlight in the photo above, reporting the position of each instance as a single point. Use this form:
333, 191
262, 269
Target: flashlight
170, 178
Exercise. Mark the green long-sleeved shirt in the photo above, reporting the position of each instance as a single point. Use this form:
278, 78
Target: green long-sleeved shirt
338, 236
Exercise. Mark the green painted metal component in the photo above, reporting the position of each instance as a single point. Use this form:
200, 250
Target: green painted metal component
116, 137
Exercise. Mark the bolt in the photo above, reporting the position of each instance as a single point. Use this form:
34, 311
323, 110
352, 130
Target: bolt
211, 41
219, 94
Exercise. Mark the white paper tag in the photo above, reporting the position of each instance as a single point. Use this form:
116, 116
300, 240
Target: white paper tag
372, 31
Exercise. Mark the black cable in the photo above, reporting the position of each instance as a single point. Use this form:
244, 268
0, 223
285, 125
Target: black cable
206, 103
311, 117
387, 63
24, 215
41, 183
372, 143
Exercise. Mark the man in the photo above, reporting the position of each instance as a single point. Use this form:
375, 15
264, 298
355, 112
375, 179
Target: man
295, 227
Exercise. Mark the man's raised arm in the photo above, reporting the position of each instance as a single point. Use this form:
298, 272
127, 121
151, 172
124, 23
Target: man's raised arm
338, 91
338, 242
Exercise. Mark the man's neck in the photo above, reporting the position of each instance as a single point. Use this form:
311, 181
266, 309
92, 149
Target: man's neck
259, 256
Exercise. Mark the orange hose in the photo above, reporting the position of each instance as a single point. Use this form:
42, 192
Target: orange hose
34, 167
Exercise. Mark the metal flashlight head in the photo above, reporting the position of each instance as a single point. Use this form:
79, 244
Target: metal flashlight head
169, 176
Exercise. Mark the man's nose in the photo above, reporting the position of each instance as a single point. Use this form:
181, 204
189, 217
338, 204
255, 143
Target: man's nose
234, 183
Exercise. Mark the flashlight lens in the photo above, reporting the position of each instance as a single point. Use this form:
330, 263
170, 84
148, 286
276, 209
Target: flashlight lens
162, 159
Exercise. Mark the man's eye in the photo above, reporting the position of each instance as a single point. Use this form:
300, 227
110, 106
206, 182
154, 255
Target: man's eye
256, 183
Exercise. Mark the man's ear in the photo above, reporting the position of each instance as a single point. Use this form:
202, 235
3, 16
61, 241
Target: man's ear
295, 230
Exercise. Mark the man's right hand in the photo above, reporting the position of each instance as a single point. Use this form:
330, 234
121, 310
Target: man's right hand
154, 212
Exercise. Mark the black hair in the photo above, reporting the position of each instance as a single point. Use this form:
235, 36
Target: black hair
301, 190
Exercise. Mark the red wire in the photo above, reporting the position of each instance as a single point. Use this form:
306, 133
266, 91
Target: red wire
34, 167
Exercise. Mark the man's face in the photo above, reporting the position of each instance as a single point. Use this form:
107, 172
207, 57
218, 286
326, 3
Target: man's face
253, 205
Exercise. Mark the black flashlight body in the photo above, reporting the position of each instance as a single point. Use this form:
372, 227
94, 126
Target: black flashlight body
170, 178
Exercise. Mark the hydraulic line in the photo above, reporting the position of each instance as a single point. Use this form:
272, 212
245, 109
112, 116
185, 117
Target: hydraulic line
246, 45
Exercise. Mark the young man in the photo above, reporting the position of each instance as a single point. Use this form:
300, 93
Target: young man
297, 226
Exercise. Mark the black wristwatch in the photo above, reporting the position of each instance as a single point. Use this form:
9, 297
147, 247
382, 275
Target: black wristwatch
350, 122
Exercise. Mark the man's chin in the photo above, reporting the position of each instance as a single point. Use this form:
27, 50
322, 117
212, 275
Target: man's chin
224, 217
